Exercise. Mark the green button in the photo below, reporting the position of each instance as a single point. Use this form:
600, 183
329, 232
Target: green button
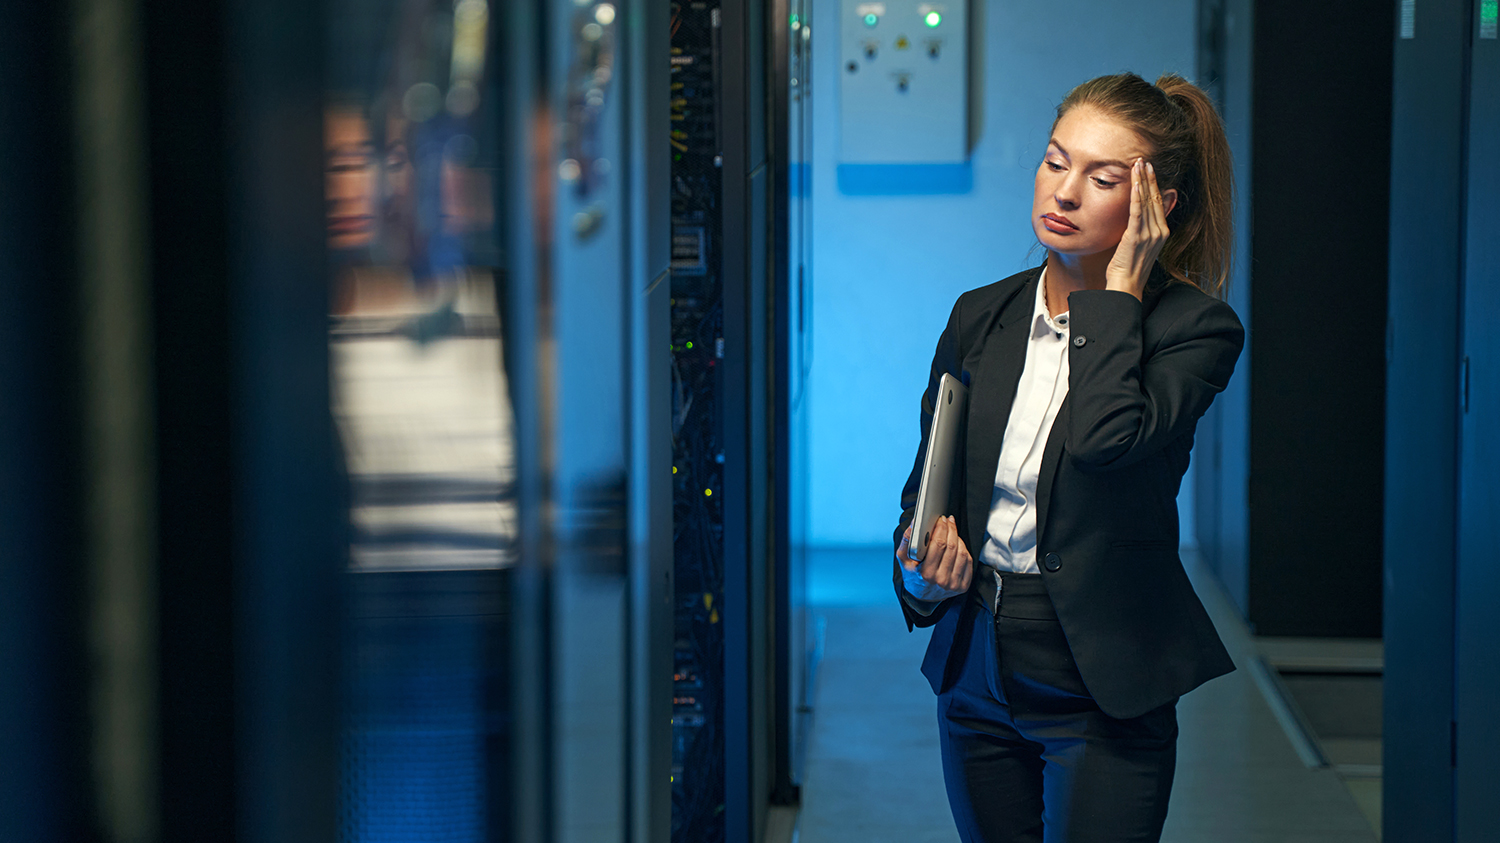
871, 19
933, 19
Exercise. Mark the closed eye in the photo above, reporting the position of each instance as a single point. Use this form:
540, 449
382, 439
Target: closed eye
1105, 182
1053, 166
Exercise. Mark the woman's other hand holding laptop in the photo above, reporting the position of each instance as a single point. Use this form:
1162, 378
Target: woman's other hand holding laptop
947, 568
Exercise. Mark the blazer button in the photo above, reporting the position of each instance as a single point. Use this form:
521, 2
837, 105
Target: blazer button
1079, 340
1052, 562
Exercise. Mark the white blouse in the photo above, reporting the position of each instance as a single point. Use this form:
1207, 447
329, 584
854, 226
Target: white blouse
1010, 533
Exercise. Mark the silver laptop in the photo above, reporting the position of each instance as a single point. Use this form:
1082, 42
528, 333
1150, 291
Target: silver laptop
937, 471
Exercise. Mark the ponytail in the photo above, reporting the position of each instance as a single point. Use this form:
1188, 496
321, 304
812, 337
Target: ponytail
1200, 249
1191, 155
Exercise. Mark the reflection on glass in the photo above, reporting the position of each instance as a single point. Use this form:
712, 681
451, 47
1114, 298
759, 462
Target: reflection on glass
419, 385
422, 407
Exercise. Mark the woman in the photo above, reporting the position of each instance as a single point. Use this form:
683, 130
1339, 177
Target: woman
1064, 627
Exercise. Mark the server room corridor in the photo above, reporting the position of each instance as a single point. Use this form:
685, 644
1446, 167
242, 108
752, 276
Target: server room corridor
464, 421
1329, 728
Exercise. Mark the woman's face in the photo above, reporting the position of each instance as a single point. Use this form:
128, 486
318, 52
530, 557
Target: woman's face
1081, 203
349, 179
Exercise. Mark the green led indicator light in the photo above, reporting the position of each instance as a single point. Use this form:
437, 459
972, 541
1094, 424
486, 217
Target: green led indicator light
690, 345
933, 19
871, 19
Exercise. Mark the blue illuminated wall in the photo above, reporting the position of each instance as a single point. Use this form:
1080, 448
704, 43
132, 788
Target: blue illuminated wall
886, 269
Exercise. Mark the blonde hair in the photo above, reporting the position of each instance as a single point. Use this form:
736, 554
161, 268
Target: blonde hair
1191, 155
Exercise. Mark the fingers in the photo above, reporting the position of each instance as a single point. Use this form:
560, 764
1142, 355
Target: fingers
1153, 197
903, 553
937, 545
958, 566
1147, 220
943, 574
953, 568
947, 562
1157, 209
1137, 196
1145, 233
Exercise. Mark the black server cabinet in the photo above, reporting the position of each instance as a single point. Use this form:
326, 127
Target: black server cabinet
246, 723
249, 498
587, 123
1477, 650
728, 575
1442, 637
699, 396
44, 767
790, 139
1422, 377
1289, 483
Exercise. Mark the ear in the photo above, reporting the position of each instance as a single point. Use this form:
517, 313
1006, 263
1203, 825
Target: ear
1168, 201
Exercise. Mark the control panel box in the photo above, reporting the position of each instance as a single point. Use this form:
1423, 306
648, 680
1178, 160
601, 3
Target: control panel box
903, 82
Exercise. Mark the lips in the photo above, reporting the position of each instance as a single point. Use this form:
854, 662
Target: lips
351, 223
1058, 223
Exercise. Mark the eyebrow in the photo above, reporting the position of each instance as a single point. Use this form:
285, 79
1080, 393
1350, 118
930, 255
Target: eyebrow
353, 148
1106, 163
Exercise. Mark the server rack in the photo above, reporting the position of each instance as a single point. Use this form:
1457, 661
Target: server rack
590, 563
248, 532
698, 395
1441, 635
237, 703
1421, 475
587, 124
1258, 528
1477, 633
44, 764
732, 700
789, 137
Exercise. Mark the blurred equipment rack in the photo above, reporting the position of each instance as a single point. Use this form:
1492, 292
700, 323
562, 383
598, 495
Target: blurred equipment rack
697, 318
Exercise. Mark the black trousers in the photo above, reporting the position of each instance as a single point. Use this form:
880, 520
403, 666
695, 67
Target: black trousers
1027, 754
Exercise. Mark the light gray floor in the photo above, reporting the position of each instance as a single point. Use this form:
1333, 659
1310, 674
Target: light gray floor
873, 774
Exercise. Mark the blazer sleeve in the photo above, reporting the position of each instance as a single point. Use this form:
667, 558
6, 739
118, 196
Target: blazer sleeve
1128, 402
946, 359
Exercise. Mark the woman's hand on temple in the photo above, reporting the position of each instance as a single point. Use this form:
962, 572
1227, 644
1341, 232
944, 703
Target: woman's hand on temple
1145, 233
947, 564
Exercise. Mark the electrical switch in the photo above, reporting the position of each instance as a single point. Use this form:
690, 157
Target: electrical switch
887, 116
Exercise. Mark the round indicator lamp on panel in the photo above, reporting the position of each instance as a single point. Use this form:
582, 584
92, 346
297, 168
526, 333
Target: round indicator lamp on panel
933, 18
871, 19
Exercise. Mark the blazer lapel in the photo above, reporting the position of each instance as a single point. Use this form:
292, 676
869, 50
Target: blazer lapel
992, 391
1051, 456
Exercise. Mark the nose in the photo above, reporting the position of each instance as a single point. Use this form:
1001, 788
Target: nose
1067, 191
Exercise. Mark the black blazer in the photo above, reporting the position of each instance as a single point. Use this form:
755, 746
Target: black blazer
1141, 374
